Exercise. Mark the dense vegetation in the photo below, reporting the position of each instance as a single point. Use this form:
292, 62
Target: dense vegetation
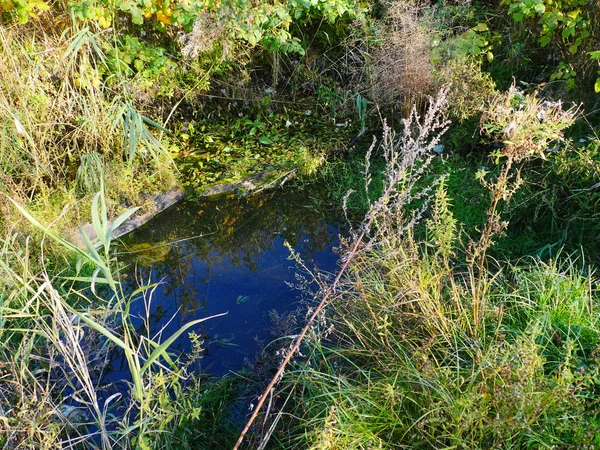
468, 315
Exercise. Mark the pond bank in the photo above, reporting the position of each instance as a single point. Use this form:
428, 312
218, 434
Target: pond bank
247, 186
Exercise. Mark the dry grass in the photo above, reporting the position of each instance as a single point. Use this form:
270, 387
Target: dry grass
56, 116
208, 32
46, 118
401, 72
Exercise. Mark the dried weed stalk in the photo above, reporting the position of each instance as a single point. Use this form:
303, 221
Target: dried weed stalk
208, 30
526, 126
406, 161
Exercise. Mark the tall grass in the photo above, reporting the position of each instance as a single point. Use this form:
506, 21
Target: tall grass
434, 348
55, 110
411, 368
55, 335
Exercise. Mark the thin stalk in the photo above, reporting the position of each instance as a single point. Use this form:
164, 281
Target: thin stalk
278, 375
400, 163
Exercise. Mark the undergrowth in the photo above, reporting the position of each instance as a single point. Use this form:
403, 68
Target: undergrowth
411, 365
431, 342
475, 329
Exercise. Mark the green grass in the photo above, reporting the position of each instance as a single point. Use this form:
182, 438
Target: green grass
411, 367
56, 333
60, 132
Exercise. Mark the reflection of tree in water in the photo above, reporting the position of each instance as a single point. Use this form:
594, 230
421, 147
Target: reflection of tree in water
235, 231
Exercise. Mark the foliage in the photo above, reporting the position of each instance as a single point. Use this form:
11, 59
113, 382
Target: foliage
560, 201
270, 25
471, 89
477, 43
525, 124
195, 413
569, 28
257, 142
57, 116
50, 317
24, 9
264, 24
435, 345
411, 365
131, 56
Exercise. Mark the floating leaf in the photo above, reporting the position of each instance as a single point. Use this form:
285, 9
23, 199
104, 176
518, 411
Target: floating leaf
242, 299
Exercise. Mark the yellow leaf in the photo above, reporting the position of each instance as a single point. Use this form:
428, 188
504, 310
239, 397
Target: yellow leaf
42, 6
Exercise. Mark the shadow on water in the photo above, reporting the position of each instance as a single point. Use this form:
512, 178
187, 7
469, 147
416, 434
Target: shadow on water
228, 255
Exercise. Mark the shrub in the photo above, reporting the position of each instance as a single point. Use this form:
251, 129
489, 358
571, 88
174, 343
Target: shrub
401, 71
568, 31
471, 89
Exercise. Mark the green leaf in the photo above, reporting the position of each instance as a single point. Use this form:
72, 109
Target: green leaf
99, 227
100, 329
265, 140
568, 31
137, 16
157, 125
597, 86
119, 221
162, 348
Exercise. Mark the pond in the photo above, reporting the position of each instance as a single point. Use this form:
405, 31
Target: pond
228, 254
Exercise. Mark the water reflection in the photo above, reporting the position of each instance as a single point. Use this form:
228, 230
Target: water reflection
228, 254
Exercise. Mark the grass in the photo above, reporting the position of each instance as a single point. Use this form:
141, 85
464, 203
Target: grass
60, 130
411, 366
437, 345
57, 332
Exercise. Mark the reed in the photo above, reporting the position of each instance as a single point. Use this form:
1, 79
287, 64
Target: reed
73, 328
60, 126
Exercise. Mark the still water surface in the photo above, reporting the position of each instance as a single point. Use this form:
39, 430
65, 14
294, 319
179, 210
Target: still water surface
228, 255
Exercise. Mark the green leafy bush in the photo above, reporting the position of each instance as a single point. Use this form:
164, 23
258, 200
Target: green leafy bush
568, 28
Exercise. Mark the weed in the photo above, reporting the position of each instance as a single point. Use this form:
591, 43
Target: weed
68, 337
526, 126
402, 68
409, 366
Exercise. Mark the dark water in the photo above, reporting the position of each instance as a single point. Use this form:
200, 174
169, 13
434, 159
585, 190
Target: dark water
227, 255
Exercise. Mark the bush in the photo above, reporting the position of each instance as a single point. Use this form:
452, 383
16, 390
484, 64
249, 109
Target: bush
568, 30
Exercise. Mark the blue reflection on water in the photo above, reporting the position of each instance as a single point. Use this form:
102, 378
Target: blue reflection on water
240, 266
